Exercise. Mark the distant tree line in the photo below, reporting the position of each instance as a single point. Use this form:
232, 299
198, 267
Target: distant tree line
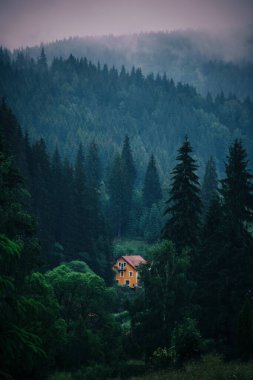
72, 101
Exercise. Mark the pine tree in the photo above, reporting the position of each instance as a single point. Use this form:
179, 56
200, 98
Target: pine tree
94, 170
245, 332
82, 238
154, 224
19, 252
235, 272
116, 188
210, 183
57, 200
167, 296
237, 187
225, 258
209, 264
152, 192
42, 60
41, 192
184, 204
129, 173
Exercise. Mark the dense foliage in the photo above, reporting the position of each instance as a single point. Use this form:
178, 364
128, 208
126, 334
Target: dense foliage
59, 311
72, 101
208, 62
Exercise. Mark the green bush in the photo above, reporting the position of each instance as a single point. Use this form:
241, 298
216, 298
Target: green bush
163, 357
61, 376
133, 368
95, 372
211, 367
186, 340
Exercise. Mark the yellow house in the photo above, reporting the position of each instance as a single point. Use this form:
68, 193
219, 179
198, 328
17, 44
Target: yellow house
126, 270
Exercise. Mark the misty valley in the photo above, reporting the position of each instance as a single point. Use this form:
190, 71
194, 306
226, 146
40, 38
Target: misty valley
126, 209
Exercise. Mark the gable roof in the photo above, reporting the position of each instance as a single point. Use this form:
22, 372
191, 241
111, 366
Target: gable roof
134, 261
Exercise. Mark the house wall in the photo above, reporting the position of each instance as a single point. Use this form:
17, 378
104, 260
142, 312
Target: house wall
126, 275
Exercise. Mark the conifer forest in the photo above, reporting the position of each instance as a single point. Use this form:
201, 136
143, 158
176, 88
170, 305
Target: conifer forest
105, 155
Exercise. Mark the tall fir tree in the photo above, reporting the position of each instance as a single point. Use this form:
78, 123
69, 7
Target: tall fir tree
116, 188
184, 204
19, 251
208, 263
41, 192
152, 192
82, 237
94, 167
235, 272
237, 187
210, 183
129, 173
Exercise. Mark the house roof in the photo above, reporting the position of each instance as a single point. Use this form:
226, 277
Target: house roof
134, 261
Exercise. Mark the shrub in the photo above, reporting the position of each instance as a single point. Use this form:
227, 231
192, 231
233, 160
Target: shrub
163, 357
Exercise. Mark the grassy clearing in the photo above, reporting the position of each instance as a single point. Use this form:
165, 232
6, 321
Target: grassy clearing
210, 368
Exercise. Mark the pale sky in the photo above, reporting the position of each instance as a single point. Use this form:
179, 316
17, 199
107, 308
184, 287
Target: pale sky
29, 22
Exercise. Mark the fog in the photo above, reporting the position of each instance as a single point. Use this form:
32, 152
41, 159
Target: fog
30, 22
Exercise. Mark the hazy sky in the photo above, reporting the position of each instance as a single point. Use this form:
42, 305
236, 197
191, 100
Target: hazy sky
29, 22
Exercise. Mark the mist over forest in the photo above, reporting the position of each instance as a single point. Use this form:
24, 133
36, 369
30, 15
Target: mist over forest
211, 62
126, 208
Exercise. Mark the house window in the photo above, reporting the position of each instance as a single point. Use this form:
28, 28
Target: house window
121, 274
127, 282
122, 266
130, 274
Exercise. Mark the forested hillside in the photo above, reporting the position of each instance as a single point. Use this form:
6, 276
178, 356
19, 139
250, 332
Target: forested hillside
73, 101
59, 311
206, 61
97, 162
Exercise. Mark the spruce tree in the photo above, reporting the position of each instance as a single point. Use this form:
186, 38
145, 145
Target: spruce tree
209, 270
152, 192
225, 259
57, 200
210, 183
129, 173
237, 187
82, 238
19, 252
184, 204
116, 187
94, 169
235, 272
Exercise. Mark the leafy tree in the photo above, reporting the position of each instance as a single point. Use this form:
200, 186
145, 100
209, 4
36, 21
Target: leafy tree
152, 192
186, 340
167, 297
184, 204
86, 304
